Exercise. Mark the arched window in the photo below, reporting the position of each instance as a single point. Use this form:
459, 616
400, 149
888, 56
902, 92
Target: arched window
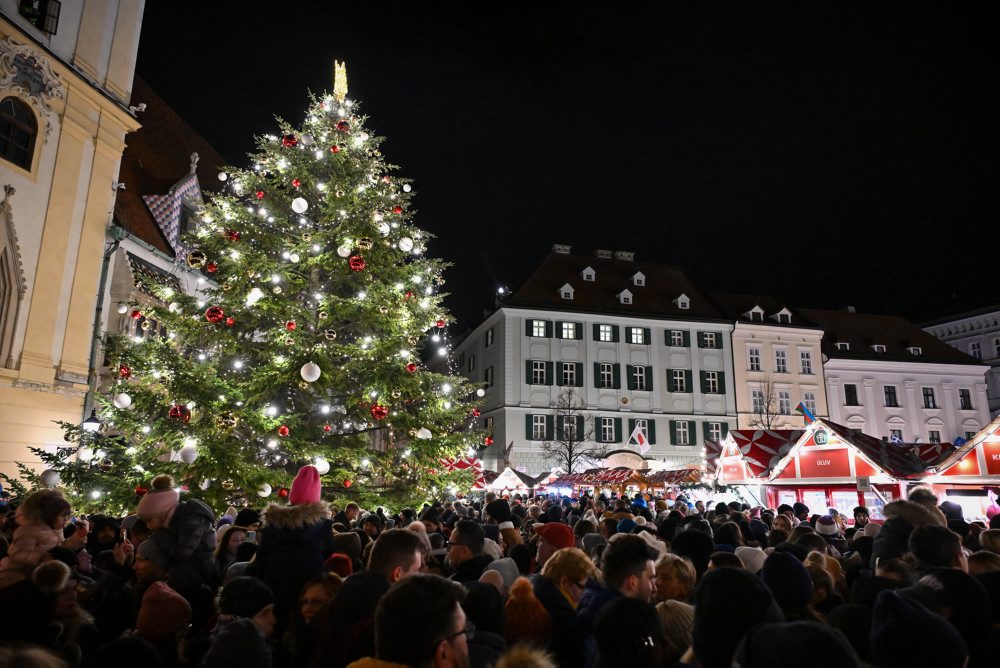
18, 129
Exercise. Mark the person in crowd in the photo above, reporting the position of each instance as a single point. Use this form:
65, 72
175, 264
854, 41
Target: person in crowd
499, 512
936, 547
552, 536
347, 516
675, 579
246, 621
696, 547
897, 620
829, 530
629, 570
40, 521
248, 518
227, 547
862, 517
722, 559
302, 636
103, 533
527, 619
789, 581
465, 552
559, 588
164, 616
372, 525
484, 609
628, 633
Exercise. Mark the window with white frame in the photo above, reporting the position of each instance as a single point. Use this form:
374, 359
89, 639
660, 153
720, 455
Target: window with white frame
679, 380
605, 333
643, 426
784, 319
784, 402
753, 358
677, 338
891, 398
638, 335
681, 429
715, 431
712, 382
965, 400
488, 376
538, 328
639, 279
639, 377
538, 372
896, 435
842, 345
809, 401
934, 436
806, 361
709, 339
975, 350
607, 430
489, 337
569, 374
929, 400
683, 303
915, 350
780, 361
568, 330
878, 348
757, 400
538, 427
969, 435
607, 375
569, 427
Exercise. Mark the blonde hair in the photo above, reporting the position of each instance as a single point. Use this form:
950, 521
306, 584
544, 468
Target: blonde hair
680, 569
569, 562
990, 540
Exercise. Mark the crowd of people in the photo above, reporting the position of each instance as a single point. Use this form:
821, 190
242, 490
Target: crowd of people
518, 582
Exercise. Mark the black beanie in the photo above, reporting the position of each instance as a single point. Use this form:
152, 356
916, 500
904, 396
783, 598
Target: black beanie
899, 621
246, 517
499, 510
244, 597
794, 644
727, 603
789, 581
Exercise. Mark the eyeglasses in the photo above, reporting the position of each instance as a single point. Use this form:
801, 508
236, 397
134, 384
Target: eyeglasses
469, 632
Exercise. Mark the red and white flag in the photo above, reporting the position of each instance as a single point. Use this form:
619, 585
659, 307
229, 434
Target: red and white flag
638, 438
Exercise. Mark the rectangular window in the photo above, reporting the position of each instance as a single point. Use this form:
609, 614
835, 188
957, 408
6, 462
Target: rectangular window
841, 345
809, 399
934, 436
472, 362
605, 333
890, 396
489, 337
711, 382
975, 350
929, 401
969, 435
569, 427
681, 430
896, 435
965, 400
568, 374
488, 377
637, 335
996, 347
806, 361
784, 402
709, 340
677, 338
638, 378
538, 431
851, 395
753, 358
538, 328
538, 372
643, 426
757, 400
607, 430
784, 319
568, 330
678, 380
43, 14
488, 422
606, 373
715, 431
780, 361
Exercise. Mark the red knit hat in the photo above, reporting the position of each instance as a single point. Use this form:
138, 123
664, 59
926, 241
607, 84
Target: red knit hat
306, 486
339, 564
557, 533
163, 613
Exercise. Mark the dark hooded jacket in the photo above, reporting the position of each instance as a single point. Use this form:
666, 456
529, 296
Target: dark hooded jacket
902, 517
471, 569
347, 629
569, 642
188, 543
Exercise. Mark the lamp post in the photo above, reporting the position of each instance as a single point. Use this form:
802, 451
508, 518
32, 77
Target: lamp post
93, 423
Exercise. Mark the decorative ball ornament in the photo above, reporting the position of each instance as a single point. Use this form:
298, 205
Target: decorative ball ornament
344, 251
123, 309
383, 309
356, 263
347, 482
424, 433
303, 385
146, 326
290, 325
122, 400
406, 244
365, 243
227, 484
232, 235
264, 491
212, 267
230, 321
379, 412
283, 431
283, 493
306, 237
189, 453
310, 372
259, 194
289, 141
214, 314
289, 341
227, 420
174, 307
300, 205
440, 324
396, 394
327, 428
335, 148
294, 257
223, 176
296, 183
407, 187
330, 334
49, 478
343, 126
196, 259
480, 392
475, 412
384, 228
85, 454
397, 209
141, 491
306, 139
136, 314
124, 371
488, 441
105, 465
180, 412
409, 295
411, 367
322, 315
322, 466
276, 289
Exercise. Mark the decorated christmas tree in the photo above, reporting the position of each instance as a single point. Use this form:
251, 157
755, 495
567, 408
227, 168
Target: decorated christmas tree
307, 345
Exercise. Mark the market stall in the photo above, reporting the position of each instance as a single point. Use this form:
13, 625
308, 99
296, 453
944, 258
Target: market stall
746, 457
465, 464
969, 475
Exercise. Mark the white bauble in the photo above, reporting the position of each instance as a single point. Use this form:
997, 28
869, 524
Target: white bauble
423, 433
123, 308
299, 205
264, 491
344, 251
306, 139
407, 187
384, 228
480, 392
122, 400
406, 244
223, 176
293, 257
174, 307
50, 478
322, 466
189, 453
85, 454
310, 372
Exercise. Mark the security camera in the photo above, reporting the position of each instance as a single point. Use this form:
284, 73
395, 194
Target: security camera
138, 108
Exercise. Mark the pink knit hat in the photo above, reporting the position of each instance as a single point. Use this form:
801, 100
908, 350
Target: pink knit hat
306, 486
162, 498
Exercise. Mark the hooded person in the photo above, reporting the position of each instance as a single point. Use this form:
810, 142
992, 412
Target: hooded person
790, 583
897, 620
499, 511
246, 621
295, 542
794, 644
104, 531
902, 517
40, 520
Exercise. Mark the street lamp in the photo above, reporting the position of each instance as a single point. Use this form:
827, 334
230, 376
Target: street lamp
93, 423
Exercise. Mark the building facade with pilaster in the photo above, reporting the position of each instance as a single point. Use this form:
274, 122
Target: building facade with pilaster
976, 333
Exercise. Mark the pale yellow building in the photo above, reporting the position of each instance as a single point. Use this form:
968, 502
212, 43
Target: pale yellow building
66, 72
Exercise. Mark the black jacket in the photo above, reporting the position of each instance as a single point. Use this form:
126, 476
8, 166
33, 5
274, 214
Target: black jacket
347, 631
471, 569
569, 641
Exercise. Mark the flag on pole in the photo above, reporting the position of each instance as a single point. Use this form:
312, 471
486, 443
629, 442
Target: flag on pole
801, 408
638, 437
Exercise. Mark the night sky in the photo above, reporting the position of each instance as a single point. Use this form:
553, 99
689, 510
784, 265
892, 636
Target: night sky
824, 154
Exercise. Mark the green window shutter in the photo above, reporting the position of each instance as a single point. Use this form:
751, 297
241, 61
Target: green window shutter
629, 380
704, 381
649, 378
651, 431
666, 337
597, 332
559, 332
549, 425
718, 340
670, 381
548, 373
614, 333
673, 432
647, 333
722, 382
548, 328
618, 430
597, 374
579, 374
559, 428
616, 373
529, 432
559, 373
598, 432
693, 431
628, 335
688, 378
687, 339
580, 427
706, 430
631, 426
725, 429
701, 339
527, 372
578, 331
527, 326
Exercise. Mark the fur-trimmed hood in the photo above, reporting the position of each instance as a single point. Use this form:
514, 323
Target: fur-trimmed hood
914, 514
296, 517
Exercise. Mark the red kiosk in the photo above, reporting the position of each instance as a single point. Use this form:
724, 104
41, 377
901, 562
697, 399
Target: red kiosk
970, 474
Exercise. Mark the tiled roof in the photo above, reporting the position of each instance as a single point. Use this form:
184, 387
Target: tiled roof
146, 277
736, 307
655, 299
863, 330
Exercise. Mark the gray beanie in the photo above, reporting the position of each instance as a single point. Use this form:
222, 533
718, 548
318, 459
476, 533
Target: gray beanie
151, 551
507, 568
591, 541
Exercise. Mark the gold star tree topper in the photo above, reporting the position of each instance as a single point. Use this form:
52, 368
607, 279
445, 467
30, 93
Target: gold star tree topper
339, 80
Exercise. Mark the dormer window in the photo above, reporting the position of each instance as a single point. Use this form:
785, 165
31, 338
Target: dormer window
566, 291
841, 345
639, 279
878, 347
589, 274
756, 314
915, 350
783, 317
683, 302
625, 297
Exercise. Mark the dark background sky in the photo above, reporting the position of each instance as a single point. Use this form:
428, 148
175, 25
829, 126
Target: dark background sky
831, 155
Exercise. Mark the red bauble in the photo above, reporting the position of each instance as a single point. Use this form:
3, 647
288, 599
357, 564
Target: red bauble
296, 183
136, 314
334, 149
347, 483
327, 428
411, 367
124, 371
488, 441
232, 235
343, 126
356, 263
230, 321
440, 324
259, 194
409, 295
379, 412
282, 493
386, 179
289, 141
283, 431
211, 267
141, 491
397, 209
214, 314
475, 412
180, 412
290, 325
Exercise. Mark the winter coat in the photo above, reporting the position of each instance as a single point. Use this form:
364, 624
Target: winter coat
902, 517
238, 644
347, 631
485, 649
470, 569
569, 640
188, 542
31, 544
292, 548
595, 597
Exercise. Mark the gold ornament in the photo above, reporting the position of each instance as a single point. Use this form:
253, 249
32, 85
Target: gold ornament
330, 334
396, 394
227, 485
323, 315
365, 243
145, 324
383, 309
196, 259
276, 290
303, 385
227, 286
339, 193
306, 237
226, 420
413, 340
289, 341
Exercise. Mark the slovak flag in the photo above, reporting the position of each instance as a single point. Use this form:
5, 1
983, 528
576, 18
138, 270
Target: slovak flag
638, 437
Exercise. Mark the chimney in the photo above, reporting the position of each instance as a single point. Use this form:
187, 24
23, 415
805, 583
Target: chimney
603, 254
627, 256
561, 249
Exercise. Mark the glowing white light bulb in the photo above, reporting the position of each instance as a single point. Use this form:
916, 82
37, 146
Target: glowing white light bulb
272, 444
238, 364
270, 411
446, 388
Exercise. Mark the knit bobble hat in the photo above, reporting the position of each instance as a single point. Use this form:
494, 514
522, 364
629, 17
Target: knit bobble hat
306, 487
245, 597
788, 580
527, 619
560, 535
163, 612
827, 526
162, 498
752, 558
499, 510
247, 517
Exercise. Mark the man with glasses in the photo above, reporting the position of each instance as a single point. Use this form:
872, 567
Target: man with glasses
420, 623
465, 551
